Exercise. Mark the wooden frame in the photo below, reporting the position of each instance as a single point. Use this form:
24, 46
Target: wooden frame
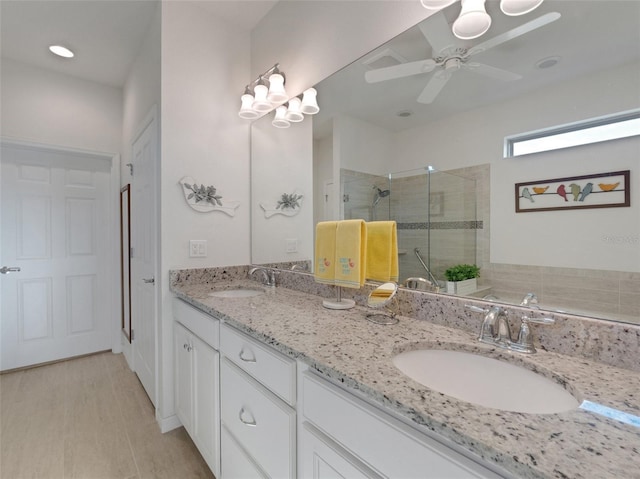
604, 190
125, 259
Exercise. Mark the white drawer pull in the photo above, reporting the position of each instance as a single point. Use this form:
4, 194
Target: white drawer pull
252, 422
246, 359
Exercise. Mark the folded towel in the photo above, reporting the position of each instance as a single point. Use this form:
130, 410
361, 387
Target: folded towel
325, 254
351, 247
382, 251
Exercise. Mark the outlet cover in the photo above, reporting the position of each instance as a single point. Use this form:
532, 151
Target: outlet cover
197, 248
291, 246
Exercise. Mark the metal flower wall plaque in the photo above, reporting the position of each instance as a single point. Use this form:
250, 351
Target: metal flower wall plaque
289, 204
206, 198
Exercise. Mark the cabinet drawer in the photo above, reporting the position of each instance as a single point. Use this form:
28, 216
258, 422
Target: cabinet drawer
237, 464
204, 326
385, 444
275, 371
263, 425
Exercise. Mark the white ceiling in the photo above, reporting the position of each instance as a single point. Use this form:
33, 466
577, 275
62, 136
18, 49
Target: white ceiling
589, 36
106, 35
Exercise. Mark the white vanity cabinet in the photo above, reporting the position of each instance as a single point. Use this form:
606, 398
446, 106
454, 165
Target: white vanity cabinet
344, 436
197, 363
258, 418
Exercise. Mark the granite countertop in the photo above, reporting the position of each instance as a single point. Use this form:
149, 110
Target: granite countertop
344, 346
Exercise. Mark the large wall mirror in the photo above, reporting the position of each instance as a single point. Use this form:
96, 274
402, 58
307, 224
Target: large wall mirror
424, 145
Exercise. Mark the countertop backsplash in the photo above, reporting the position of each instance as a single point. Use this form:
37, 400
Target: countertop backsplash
612, 343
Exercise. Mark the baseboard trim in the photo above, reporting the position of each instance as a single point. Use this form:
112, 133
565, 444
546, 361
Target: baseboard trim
168, 423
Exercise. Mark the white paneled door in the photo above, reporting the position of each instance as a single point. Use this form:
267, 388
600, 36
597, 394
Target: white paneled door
144, 235
55, 228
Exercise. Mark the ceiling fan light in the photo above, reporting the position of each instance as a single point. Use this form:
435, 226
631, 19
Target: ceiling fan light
280, 120
473, 20
294, 114
277, 93
260, 102
514, 8
436, 4
309, 104
246, 109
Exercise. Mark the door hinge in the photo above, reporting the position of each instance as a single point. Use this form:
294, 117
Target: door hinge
130, 165
131, 253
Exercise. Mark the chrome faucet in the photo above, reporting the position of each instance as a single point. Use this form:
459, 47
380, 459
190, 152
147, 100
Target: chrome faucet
495, 329
529, 300
268, 275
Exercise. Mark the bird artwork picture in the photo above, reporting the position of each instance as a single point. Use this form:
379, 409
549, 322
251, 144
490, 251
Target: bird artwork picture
539, 190
608, 186
562, 192
575, 191
527, 194
588, 188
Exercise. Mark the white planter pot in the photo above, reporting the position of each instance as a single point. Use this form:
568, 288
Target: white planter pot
462, 288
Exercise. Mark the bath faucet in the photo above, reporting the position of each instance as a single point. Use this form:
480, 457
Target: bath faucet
529, 299
495, 329
268, 275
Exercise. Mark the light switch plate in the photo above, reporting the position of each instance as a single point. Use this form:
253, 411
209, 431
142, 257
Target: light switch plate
291, 245
197, 248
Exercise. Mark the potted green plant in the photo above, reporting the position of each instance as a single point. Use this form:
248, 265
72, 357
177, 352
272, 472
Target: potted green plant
461, 278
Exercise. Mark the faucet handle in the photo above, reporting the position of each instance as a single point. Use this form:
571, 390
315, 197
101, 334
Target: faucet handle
477, 309
527, 319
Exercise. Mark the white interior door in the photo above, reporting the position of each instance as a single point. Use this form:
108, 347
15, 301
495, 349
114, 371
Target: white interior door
144, 233
55, 228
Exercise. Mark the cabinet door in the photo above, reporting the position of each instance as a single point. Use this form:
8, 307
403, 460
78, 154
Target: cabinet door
206, 407
322, 458
236, 464
183, 375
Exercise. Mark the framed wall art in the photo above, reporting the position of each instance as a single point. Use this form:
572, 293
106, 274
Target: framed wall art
604, 190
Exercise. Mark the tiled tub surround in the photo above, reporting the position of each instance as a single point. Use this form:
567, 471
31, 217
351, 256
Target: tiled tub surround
345, 347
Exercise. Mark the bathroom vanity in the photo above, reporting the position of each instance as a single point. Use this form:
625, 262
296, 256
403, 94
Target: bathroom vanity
311, 392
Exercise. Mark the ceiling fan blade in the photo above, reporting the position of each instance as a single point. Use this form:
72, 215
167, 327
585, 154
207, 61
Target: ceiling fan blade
515, 32
492, 72
399, 71
433, 88
438, 33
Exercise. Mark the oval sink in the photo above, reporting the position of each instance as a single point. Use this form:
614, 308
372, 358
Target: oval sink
485, 381
236, 293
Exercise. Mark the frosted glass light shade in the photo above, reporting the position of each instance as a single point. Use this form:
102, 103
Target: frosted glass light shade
436, 4
246, 109
514, 8
473, 20
309, 104
260, 102
276, 94
280, 120
293, 112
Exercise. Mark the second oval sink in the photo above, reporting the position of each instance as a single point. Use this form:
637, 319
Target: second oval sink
485, 381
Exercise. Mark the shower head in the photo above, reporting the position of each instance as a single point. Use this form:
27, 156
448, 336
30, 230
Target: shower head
379, 194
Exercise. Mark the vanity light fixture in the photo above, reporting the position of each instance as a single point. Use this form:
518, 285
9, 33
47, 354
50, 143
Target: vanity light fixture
61, 51
474, 20
267, 93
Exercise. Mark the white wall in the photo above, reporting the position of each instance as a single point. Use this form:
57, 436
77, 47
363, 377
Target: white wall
51, 108
141, 91
290, 150
558, 238
362, 146
314, 38
203, 64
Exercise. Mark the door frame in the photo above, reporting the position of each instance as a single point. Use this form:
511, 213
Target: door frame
113, 273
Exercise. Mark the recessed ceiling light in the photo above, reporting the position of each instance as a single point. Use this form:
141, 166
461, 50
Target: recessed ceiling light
547, 62
61, 51
404, 113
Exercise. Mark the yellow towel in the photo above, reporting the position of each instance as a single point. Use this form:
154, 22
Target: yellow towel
325, 255
351, 247
382, 251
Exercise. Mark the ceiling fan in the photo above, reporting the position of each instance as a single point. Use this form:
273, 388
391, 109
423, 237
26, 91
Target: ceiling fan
451, 58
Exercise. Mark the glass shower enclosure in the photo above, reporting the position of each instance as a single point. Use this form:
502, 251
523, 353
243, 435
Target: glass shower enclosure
435, 212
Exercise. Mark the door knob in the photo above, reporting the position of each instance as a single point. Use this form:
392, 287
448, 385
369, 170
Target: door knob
149, 280
9, 269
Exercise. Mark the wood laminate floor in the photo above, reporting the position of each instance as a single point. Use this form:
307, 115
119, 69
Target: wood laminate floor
87, 418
